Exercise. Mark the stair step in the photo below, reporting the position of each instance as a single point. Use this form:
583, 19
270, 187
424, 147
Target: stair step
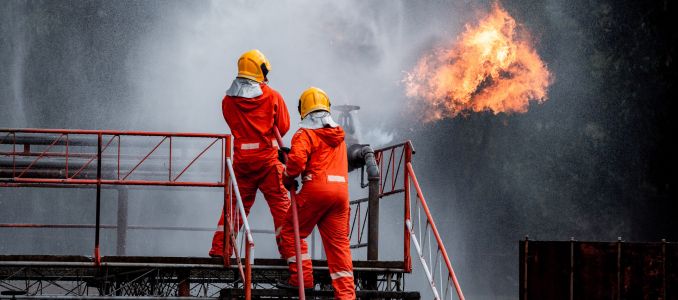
292, 294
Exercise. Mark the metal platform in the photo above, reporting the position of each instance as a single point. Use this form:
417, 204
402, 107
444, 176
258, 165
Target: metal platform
134, 277
119, 160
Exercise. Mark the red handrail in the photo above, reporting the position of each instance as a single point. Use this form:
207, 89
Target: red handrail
398, 158
249, 241
441, 246
114, 132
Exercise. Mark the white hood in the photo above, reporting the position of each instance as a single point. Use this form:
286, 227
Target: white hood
245, 88
318, 119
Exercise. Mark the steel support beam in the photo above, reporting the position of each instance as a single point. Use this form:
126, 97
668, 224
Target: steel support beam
122, 221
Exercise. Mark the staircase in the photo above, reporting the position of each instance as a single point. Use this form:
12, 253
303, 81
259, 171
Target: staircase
388, 276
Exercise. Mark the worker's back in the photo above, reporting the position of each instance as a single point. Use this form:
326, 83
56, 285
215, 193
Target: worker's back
327, 160
251, 121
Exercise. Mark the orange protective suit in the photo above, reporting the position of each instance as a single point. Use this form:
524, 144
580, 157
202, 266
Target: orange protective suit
255, 162
319, 156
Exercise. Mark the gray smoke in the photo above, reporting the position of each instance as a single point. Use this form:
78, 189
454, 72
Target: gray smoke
555, 172
164, 66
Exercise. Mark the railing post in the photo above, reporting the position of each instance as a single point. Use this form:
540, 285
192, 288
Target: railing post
184, 285
407, 258
13, 154
373, 231
227, 205
122, 221
373, 221
248, 268
97, 256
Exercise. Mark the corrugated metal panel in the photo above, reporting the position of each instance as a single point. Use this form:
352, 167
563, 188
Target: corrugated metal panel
595, 270
598, 270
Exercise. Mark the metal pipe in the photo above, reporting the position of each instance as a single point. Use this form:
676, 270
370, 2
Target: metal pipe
105, 187
373, 220
38, 175
116, 182
363, 156
122, 222
111, 226
373, 229
97, 256
360, 155
42, 140
79, 162
100, 297
43, 153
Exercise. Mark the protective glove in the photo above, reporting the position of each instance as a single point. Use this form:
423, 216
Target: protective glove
282, 154
290, 182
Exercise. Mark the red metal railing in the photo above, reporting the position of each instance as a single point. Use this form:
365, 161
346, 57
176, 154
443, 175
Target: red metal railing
437, 267
396, 176
117, 176
393, 180
67, 158
231, 236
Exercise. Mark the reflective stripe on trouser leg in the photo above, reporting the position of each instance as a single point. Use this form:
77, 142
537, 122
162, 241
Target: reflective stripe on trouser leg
218, 239
341, 274
344, 287
293, 259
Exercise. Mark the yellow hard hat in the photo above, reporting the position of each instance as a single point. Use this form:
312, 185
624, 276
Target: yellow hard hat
253, 65
313, 99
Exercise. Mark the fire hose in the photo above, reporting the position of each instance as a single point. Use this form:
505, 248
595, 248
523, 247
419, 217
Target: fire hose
295, 223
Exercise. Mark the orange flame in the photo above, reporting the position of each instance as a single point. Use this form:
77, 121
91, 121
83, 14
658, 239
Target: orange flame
491, 67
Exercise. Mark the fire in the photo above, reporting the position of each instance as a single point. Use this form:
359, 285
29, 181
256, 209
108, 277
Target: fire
491, 67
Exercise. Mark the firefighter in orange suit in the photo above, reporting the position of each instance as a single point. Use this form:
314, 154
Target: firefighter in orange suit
252, 109
318, 154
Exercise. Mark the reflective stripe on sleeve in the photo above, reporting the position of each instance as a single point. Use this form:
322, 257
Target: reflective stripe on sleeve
249, 146
307, 177
278, 230
336, 178
304, 256
274, 142
220, 228
341, 274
